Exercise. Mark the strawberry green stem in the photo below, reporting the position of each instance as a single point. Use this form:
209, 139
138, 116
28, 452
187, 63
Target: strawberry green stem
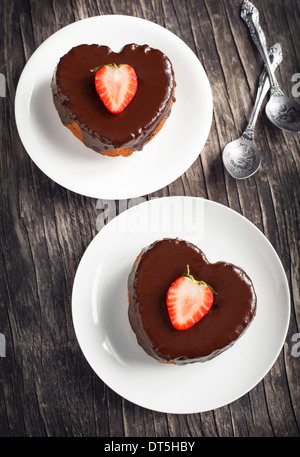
199, 283
112, 65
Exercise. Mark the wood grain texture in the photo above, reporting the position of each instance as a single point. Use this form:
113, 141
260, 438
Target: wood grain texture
46, 386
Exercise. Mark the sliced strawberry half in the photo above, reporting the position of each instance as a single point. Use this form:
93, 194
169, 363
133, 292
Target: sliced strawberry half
116, 86
188, 301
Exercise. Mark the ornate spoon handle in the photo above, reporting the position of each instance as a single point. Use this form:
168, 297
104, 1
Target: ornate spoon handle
275, 56
250, 15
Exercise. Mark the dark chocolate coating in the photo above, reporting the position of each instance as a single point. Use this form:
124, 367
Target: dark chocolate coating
76, 99
157, 267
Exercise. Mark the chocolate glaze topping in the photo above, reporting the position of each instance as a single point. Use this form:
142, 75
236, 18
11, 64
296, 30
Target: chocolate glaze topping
76, 99
157, 267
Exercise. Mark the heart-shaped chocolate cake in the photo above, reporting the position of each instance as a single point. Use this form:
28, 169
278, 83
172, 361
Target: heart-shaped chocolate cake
83, 87
185, 316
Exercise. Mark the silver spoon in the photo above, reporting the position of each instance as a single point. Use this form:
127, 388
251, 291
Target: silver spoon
241, 157
282, 111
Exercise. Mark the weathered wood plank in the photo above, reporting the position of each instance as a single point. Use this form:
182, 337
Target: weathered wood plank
46, 386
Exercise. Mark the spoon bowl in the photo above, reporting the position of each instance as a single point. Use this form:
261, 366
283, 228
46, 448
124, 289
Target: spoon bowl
284, 112
241, 158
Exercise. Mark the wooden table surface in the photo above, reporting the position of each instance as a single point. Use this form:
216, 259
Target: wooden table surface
47, 388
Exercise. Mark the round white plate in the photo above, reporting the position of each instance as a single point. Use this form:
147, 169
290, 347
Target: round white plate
67, 161
99, 306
